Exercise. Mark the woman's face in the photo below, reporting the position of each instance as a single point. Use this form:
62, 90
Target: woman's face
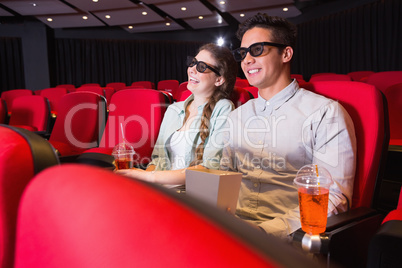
203, 84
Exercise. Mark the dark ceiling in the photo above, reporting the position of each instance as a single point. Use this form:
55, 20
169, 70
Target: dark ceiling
148, 15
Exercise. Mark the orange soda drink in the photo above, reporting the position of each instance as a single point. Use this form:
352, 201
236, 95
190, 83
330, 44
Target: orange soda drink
313, 183
313, 209
123, 156
123, 163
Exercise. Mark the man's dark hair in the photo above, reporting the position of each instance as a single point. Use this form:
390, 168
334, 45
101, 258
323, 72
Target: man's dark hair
283, 31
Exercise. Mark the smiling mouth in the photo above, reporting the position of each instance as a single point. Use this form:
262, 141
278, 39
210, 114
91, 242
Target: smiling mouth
193, 80
253, 71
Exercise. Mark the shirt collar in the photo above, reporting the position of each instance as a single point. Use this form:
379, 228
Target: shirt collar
187, 102
279, 99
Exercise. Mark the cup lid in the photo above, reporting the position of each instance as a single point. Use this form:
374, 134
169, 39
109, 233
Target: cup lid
313, 175
123, 148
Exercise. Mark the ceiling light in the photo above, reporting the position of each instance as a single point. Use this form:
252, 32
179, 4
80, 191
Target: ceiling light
220, 21
84, 17
222, 2
220, 41
144, 13
184, 8
242, 15
200, 17
49, 19
285, 9
33, 4
95, 1
107, 16
130, 27
167, 23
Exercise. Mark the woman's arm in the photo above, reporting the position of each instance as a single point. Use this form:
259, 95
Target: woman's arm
160, 177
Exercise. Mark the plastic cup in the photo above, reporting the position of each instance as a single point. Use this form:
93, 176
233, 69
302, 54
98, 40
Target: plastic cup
123, 156
313, 184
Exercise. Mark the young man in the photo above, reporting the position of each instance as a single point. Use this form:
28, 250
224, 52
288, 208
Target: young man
270, 138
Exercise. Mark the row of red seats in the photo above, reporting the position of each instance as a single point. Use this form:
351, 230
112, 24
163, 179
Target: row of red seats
370, 120
381, 80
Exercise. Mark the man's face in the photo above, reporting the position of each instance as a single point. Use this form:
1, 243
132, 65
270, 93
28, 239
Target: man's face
264, 70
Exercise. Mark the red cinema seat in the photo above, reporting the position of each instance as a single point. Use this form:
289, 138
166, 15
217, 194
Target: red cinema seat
94, 89
10, 95
32, 113
54, 95
348, 234
243, 83
253, 91
394, 98
116, 85
383, 80
331, 77
240, 96
139, 112
359, 75
23, 154
79, 123
69, 87
82, 216
3, 112
184, 95
143, 84
386, 246
298, 77
170, 86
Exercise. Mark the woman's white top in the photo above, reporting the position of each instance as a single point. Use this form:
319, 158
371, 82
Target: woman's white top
179, 148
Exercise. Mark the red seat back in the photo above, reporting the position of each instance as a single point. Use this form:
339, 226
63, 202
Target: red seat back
91, 85
240, 96
394, 98
383, 80
359, 75
253, 91
94, 89
3, 112
140, 111
79, 123
143, 84
81, 216
367, 108
69, 87
243, 83
10, 95
23, 154
298, 77
184, 95
54, 95
331, 77
116, 85
182, 88
31, 112
170, 86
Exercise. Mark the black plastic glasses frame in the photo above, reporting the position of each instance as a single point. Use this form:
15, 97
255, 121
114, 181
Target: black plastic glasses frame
255, 50
201, 66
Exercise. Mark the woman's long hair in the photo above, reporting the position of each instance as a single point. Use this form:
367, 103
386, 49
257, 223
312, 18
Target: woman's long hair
227, 68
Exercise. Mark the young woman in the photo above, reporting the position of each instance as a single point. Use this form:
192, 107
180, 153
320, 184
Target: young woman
191, 132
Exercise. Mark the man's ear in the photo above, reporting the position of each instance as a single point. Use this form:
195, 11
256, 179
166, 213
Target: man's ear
219, 81
287, 54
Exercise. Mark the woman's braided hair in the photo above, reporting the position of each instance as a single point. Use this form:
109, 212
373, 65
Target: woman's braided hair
227, 67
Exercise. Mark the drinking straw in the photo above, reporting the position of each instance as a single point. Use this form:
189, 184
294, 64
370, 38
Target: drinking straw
316, 170
122, 132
